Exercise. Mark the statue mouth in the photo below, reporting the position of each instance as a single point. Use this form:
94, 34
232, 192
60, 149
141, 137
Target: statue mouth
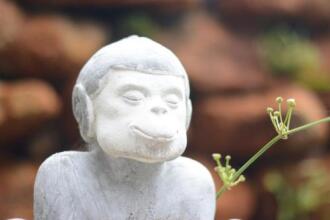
160, 138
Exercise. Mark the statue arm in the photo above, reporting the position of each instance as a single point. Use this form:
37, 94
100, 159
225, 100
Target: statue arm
201, 195
203, 202
52, 192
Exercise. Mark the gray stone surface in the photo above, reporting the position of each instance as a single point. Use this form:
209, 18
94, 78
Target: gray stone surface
131, 101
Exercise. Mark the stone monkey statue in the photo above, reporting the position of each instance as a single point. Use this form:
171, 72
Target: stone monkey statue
131, 101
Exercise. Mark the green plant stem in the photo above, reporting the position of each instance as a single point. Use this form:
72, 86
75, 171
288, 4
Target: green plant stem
267, 146
306, 126
221, 190
250, 161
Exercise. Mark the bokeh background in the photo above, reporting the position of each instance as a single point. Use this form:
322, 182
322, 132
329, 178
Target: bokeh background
239, 54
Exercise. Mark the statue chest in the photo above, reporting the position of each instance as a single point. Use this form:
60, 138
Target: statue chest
98, 197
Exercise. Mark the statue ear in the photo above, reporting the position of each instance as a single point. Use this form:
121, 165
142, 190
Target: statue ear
189, 113
83, 112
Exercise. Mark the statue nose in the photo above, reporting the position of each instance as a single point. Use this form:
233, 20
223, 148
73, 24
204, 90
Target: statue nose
158, 110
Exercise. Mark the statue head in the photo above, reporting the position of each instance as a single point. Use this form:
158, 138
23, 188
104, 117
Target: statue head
132, 99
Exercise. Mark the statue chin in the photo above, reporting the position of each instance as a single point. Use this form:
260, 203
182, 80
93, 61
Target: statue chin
150, 157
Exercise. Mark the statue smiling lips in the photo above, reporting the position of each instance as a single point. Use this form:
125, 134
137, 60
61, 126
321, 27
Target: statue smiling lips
131, 102
165, 135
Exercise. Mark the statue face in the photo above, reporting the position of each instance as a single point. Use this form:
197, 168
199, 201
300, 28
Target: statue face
141, 116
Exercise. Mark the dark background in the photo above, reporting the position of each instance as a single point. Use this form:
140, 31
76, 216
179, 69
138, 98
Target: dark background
239, 54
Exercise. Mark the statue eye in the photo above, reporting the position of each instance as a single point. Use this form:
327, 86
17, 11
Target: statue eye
172, 99
133, 96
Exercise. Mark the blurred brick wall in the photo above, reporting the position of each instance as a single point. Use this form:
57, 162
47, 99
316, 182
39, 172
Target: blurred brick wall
44, 44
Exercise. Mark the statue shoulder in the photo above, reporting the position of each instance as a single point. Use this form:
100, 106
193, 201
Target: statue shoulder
59, 162
190, 168
191, 174
56, 168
